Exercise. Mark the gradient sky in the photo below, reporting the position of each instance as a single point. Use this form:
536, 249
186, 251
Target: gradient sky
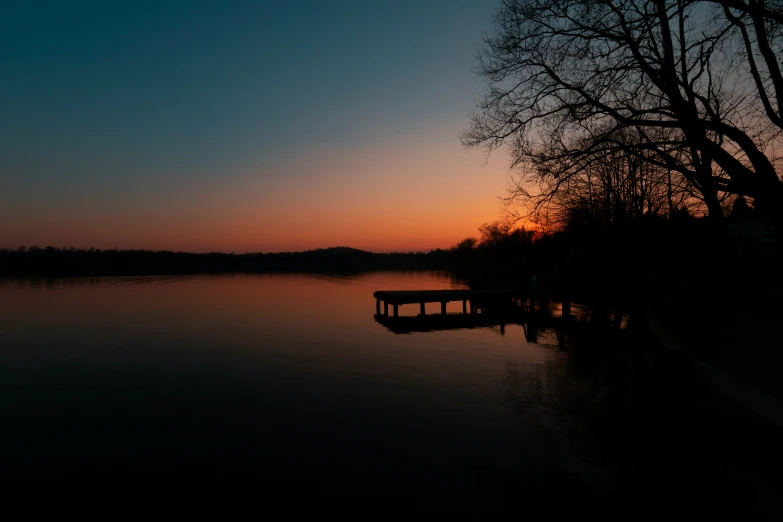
242, 126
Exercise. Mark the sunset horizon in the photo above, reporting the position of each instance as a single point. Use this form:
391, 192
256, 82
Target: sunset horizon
118, 247
169, 132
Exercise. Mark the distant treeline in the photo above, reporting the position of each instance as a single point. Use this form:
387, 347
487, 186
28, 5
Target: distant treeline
650, 244
29, 261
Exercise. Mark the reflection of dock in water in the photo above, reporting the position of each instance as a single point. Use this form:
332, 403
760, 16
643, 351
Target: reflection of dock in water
435, 323
515, 315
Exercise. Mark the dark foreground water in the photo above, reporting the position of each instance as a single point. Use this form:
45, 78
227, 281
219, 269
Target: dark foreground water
287, 379
284, 390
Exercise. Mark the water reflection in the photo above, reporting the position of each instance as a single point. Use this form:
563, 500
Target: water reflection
282, 376
440, 322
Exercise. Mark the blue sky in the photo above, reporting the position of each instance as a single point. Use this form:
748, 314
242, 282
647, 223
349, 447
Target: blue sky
139, 109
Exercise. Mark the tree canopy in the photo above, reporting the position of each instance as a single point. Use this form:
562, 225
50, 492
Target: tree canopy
692, 90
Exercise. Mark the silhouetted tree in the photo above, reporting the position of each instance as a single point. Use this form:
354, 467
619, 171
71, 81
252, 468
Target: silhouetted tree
565, 76
504, 242
467, 244
619, 187
740, 210
493, 234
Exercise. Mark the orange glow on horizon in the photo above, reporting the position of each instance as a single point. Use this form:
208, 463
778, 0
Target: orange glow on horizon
414, 193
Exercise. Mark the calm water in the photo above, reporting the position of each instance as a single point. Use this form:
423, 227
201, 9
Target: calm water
284, 379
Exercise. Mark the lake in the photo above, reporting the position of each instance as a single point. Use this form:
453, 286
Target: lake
282, 380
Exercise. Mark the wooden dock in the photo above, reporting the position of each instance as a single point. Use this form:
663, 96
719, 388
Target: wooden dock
473, 299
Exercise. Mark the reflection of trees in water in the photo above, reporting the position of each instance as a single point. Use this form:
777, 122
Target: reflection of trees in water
529, 386
392, 278
555, 404
583, 414
64, 282
571, 383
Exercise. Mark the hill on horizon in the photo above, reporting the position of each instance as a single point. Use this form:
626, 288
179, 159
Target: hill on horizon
71, 261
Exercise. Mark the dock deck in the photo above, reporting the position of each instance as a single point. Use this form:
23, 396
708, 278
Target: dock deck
476, 298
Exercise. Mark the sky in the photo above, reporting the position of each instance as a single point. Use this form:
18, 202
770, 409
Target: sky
242, 126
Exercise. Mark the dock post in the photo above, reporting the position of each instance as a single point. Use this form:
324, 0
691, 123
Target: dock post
421, 309
566, 308
377, 307
395, 310
386, 308
464, 306
443, 307
618, 319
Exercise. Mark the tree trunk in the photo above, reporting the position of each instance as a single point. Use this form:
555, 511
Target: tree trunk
770, 207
